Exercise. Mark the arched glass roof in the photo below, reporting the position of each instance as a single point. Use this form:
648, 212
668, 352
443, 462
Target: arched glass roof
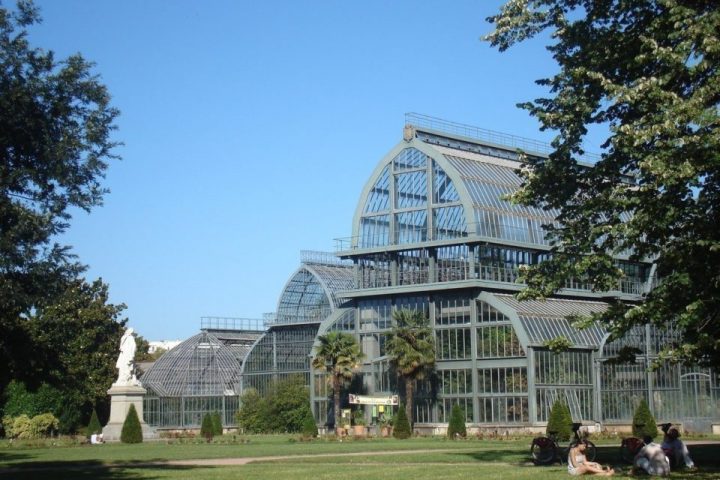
207, 364
309, 295
432, 188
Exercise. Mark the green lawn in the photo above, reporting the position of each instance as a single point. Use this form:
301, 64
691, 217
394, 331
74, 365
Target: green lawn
317, 460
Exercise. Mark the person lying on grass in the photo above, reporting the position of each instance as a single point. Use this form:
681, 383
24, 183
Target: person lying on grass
578, 464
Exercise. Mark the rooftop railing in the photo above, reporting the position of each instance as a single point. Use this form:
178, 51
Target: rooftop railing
323, 258
484, 135
232, 323
406, 235
470, 131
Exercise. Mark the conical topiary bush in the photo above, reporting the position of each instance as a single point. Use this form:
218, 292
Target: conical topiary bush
217, 424
131, 429
94, 424
309, 427
206, 428
560, 422
456, 426
401, 427
644, 422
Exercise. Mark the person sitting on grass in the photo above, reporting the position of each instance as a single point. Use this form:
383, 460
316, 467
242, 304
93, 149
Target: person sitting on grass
578, 464
651, 459
676, 449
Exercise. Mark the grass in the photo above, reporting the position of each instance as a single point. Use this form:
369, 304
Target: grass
317, 460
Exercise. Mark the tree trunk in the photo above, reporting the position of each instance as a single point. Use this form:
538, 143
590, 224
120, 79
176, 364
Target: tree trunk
409, 383
336, 399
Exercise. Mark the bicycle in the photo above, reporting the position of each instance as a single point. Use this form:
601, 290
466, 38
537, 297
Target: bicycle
545, 450
631, 446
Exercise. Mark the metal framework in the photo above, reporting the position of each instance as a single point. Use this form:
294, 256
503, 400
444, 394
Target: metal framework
308, 298
199, 376
432, 231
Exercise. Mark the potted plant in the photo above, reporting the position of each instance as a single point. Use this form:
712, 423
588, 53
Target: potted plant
385, 426
359, 423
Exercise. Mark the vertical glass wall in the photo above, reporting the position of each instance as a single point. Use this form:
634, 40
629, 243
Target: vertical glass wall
674, 393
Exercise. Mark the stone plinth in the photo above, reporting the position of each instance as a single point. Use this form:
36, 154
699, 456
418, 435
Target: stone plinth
121, 397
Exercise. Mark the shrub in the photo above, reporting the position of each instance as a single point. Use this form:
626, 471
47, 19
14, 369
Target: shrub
282, 409
456, 427
18, 427
287, 401
23, 427
131, 429
560, 421
401, 428
254, 412
44, 425
217, 424
206, 429
309, 427
94, 424
643, 421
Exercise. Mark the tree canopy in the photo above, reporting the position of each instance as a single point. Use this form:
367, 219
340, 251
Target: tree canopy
56, 123
647, 74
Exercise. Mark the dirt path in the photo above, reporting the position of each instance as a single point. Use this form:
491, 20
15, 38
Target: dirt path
245, 460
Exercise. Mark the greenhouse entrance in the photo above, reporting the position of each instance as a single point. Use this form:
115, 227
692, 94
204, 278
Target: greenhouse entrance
698, 404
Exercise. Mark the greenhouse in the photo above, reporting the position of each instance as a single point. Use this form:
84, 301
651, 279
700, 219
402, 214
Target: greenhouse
432, 232
200, 376
308, 298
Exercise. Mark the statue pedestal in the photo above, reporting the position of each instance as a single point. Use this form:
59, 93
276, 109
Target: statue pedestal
121, 397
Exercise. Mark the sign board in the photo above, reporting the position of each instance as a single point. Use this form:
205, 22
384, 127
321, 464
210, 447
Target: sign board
373, 400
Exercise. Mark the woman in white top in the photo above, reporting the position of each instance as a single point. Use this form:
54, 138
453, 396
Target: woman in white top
579, 465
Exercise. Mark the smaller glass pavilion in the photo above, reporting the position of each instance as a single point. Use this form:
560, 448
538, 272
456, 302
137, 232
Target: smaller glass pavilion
200, 376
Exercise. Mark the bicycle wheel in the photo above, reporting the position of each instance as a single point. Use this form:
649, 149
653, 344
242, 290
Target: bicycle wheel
629, 448
543, 451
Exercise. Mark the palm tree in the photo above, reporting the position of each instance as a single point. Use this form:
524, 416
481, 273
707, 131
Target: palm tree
411, 347
339, 354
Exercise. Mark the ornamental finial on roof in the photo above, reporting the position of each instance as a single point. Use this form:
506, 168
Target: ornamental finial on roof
408, 132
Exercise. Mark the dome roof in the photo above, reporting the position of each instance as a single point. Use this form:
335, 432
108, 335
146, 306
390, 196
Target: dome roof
309, 295
203, 365
436, 187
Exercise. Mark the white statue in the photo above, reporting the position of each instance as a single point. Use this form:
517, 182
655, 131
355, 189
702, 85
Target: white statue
126, 360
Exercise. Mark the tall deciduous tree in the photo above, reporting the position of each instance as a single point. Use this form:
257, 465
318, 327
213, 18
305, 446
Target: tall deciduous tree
411, 347
79, 334
647, 72
338, 354
55, 141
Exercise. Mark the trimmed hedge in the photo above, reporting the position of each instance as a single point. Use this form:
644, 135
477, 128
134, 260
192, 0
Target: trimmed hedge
131, 429
217, 423
94, 424
401, 427
644, 422
309, 427
560, 422
456, 427
207, 430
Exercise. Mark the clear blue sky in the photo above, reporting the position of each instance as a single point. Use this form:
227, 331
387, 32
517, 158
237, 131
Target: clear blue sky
250, 128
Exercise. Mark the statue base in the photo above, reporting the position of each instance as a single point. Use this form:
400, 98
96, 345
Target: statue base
121, 397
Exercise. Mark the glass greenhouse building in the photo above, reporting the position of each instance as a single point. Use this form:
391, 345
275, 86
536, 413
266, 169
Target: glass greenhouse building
200, 376
432, 232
